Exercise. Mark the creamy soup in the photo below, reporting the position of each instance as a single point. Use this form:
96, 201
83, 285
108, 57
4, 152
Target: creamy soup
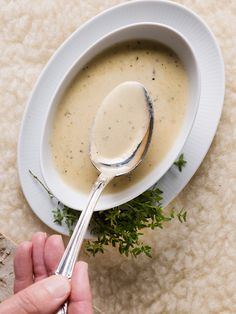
156, 67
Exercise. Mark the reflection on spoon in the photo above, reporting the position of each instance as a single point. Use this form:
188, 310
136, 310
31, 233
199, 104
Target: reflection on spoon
123, 120
119, 140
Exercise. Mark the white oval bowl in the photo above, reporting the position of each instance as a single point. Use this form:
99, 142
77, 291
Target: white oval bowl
149, 31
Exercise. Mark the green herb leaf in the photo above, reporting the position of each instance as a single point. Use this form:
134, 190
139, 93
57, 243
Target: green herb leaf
180, 162
182, 215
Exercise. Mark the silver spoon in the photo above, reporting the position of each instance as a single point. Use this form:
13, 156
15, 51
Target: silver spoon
137, 116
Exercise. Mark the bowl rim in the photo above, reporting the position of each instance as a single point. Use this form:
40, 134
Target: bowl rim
64, 81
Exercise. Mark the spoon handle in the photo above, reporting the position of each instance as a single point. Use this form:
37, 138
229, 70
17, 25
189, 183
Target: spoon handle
70, 255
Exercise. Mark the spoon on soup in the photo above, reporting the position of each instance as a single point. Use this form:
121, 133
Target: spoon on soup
119, 139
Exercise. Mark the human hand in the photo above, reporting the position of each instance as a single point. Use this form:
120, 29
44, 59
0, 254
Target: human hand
35, 293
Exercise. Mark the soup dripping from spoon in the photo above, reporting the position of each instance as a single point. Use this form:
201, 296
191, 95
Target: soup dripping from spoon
119, 139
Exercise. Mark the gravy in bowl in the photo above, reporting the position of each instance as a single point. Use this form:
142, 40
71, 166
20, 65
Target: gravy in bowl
156, 67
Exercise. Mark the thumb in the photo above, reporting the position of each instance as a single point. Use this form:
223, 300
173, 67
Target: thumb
43, 297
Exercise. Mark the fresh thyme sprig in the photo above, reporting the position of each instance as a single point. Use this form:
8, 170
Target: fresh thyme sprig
68, 216
42, 184
120, 226
180, 163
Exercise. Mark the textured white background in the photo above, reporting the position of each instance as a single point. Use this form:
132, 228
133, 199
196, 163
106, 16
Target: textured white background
193, 269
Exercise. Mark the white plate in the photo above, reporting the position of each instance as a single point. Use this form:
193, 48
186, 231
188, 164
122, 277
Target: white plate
211, 101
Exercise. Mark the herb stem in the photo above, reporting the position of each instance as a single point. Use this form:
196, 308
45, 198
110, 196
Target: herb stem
42, 184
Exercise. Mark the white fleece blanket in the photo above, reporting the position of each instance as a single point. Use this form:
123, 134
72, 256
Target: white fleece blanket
193, 269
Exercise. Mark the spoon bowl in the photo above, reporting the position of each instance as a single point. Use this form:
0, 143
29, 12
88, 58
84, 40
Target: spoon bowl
134, 135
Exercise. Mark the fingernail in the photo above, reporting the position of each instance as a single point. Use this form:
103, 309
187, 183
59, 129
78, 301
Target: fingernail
26, 245
58, 286
39, 234
58, 237
83, 266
